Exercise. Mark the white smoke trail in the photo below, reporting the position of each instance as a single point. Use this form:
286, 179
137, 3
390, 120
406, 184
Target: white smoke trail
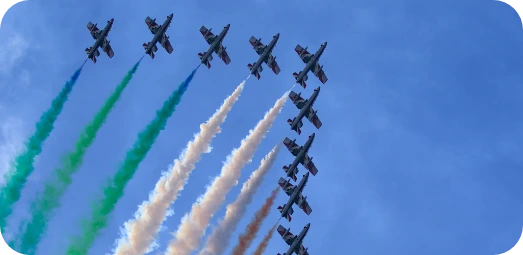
192, 228
138, 236
219, 239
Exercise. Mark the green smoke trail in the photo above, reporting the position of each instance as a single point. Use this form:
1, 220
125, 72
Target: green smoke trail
23, 164
114, 190
54, 189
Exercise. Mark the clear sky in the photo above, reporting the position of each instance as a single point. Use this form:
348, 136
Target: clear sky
420, 149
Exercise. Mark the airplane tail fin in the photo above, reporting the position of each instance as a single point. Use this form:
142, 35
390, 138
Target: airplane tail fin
93, 57
288, 214
297, 128
256, 73
302, 82
293, 176
151, 53
207, 62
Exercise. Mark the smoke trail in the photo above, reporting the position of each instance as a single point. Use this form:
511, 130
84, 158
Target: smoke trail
265, 242
192, 228
23, 166
218, 241
245, 239
140, 232
56, 187
114, 189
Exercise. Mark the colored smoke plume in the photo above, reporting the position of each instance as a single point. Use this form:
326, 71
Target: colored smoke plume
189, 234
55, 188
265, 242
23, 164
218, 241
113, 191
245, 239
138, 236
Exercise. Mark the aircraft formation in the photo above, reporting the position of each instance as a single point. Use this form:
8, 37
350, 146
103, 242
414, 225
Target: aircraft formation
216, 46
301, 153
304, 106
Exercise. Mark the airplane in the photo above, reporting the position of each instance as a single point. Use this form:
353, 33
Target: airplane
312, 64
301, 154
305, 107
159, 36
100, 38
295, 242
215, 44
295, 196
265, 53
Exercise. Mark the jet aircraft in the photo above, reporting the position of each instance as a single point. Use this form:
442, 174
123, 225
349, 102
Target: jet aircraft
100, 38
311, 64
265, 53
305, 107
159, 36
301, 156
295, 242
215, 44
295, 196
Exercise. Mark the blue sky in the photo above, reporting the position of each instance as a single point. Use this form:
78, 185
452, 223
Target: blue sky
420, 147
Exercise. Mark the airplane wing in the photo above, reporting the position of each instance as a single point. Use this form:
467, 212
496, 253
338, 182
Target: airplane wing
287, 236
318, 72
166, 44
93, 29
286, 186
222, 53
271, 62
303, 204
303, 53
306, 161
313, 118
151, 24
207, 35
302, 250
297, 100
292, 146
107, 48
258, 46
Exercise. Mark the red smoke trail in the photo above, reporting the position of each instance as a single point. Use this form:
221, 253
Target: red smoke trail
263, 245
245, 240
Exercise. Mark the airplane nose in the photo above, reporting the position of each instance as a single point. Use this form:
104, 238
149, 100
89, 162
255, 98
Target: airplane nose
308, 225
325, 43
278, 35
228, 25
